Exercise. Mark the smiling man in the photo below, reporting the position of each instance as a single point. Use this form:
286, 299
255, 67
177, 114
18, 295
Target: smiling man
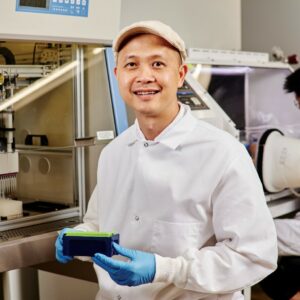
184, 196
149, 71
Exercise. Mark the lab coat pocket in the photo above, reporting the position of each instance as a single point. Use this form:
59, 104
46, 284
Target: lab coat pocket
173, 239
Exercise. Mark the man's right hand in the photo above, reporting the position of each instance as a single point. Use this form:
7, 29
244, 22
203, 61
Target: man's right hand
59, 246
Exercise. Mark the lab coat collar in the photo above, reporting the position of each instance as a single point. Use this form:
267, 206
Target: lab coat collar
173, 134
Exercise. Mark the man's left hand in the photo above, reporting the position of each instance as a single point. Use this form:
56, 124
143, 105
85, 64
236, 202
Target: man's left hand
140, 270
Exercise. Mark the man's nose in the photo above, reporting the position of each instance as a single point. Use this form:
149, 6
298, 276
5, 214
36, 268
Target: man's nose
145, 75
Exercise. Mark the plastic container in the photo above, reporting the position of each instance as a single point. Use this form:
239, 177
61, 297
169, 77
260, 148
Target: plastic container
89, 243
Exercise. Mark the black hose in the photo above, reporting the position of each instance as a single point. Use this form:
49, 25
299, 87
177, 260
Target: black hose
8, 56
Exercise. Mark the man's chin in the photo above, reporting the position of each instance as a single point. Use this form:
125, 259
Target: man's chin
147, 112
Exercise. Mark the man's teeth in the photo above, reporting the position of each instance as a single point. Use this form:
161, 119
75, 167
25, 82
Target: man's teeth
146, 93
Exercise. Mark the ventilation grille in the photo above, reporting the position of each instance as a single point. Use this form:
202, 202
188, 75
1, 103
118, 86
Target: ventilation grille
28, 231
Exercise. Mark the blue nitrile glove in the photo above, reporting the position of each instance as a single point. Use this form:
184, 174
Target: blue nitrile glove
59, 246
140, 270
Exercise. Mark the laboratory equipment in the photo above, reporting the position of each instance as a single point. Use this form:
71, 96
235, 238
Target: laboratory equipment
89, 243
249, 89
96, 21
12, 78
278, 161
44, 76
56, 115
52, 126
47, 108
204, 107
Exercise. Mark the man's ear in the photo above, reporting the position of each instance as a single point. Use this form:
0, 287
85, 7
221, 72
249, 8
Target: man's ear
115, 71
183, 69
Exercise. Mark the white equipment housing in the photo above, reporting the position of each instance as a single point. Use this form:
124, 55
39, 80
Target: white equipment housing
9, 163
279, 161
53, 20
210, 111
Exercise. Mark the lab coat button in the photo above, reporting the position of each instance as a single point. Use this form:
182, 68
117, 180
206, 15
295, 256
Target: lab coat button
137, 218
146, 144
119, 297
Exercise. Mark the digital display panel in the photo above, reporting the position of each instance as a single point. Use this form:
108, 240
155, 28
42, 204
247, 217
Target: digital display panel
76, 8
34, 3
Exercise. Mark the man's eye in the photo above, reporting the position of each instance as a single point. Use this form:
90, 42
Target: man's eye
130, 65
158, 64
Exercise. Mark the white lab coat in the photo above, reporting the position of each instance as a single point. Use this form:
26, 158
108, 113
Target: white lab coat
192, 196
288, 235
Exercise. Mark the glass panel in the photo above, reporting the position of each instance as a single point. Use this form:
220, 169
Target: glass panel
98, 109
56, 93
253, 97
44, 127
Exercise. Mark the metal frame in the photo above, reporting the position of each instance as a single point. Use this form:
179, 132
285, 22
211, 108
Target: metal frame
119, 108
80, 130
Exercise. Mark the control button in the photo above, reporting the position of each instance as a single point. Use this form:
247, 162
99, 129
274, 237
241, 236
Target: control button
67, 1
195, 101
137, 218
83, 2
72, 1
54, 1
146, 144
78, 2
60, 1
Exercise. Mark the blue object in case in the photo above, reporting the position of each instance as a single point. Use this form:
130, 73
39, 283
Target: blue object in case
89, 243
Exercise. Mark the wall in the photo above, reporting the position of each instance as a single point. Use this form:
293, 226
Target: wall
201, 23
266, 23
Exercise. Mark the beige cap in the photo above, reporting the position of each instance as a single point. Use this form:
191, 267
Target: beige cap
153, 27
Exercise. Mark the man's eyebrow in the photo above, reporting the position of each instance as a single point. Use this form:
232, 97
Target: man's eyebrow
131, 56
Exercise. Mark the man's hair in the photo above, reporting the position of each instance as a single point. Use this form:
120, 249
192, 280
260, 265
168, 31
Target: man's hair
292, 83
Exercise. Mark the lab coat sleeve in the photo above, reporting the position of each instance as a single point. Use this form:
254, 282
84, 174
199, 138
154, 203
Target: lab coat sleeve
90, 220
288, 236
246, 248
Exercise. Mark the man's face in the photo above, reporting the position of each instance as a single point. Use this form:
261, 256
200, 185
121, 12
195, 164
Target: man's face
149, 73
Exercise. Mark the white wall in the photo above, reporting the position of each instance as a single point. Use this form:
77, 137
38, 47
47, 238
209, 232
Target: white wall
201, 23
268, 23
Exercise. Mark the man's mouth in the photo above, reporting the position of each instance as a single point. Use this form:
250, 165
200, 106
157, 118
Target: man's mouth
144, 93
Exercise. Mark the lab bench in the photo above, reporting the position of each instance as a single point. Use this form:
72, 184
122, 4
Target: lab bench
24, 251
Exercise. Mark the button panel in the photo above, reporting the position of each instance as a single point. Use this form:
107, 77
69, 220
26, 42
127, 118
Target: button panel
77, 8
186, 95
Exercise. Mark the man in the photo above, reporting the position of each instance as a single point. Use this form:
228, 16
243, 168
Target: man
284, 283
292, 85
184, 196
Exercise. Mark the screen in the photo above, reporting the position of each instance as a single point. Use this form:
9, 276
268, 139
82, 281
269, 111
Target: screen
34, 3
